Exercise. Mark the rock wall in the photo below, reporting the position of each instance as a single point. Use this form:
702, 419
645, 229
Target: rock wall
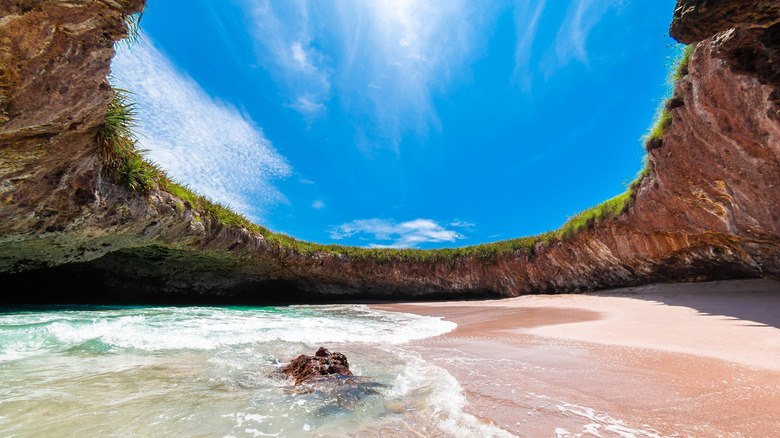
709, 210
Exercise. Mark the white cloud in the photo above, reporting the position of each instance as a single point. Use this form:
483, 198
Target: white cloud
300, 57
468, 226
318, 204
405, 51
282, 34
401, 51
199, 141
409, 234
305, 106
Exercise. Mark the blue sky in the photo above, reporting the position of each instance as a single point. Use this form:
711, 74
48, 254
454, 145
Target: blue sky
400, 123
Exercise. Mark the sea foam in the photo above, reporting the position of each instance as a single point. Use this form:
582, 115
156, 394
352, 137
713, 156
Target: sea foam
204, 328
173, 371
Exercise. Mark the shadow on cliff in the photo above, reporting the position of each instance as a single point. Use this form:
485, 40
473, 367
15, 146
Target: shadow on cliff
153, 275
159, 275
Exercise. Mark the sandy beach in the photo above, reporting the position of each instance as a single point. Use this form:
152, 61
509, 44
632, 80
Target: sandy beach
697, 360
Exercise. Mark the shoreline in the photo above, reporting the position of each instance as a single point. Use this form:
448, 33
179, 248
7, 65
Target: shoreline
700, 359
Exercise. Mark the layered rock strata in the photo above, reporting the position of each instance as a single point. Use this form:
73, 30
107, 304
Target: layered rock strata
708, 210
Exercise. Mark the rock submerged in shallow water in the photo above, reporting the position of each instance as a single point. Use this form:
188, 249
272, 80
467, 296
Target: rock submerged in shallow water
323, 363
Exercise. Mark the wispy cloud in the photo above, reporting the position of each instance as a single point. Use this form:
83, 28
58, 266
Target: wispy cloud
206, 144
385, 60
282, 33
468, 226
407, 52
307, 105
581, 17
527, 15
318, 204
390, 234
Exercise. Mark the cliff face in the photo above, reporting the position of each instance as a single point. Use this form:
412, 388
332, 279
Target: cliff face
709, 209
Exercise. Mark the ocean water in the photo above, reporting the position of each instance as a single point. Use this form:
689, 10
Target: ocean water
212, 372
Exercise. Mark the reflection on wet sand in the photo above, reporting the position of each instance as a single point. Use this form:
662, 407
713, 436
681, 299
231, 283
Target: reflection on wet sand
619, 363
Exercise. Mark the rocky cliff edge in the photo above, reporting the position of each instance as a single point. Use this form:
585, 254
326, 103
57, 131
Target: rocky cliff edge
707, 209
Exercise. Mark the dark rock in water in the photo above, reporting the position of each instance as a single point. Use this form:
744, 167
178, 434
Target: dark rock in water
323, 363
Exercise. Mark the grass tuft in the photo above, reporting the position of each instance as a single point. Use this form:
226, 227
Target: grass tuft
122, 161
683, 63
655, 137
584, 220
133, 25
663, 118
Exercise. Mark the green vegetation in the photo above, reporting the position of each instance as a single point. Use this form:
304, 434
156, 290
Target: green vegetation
663, 118
682, 63
222, 215
215, 212
133, 24
654, 138
126, 165
616, 206
609, 209
122, 162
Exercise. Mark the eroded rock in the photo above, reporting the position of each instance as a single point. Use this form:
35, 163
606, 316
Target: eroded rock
697, 20
708, 211
323, 363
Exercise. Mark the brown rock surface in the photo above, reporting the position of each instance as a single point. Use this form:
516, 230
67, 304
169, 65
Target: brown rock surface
697, 20
709, 210
324, 363
54, 62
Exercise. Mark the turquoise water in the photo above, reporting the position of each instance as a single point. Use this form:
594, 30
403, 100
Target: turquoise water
212, 371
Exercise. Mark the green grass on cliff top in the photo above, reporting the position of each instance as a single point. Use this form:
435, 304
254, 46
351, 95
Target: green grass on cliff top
124, 163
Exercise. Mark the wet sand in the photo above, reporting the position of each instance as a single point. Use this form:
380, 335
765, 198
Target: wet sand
665, 360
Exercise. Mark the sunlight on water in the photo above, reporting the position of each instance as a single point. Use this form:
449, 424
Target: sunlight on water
212, 371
